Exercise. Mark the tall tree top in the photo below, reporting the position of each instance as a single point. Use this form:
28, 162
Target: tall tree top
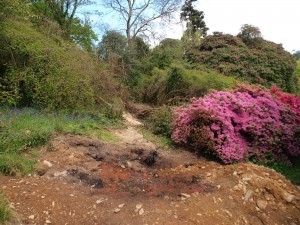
193, 17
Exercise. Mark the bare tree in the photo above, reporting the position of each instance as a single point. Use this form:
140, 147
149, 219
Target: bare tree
64, 10
139, 15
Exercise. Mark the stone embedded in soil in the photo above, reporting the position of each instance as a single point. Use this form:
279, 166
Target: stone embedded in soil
60, 174
129, 165
288, 197
48, 222
141, 212
184, 195
248, 195
31, 217
117, 210
208, 174
261, 204
121, 205
47, 163
236, 188
138, 206
99, 201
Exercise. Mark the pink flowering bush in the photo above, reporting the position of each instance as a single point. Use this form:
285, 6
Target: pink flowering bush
245, 124
292, 101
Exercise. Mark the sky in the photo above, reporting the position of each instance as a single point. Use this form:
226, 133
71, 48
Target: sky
278, 20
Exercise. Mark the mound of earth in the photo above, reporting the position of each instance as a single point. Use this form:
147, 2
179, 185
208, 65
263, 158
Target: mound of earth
86, 181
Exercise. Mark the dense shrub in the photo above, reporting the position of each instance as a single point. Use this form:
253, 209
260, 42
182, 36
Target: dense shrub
264, 63
159, 121
244, 124
48, 72
292, 101
181, 81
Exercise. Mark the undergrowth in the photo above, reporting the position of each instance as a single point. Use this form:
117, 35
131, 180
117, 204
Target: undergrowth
161, 141
4, 210
290, 171
21, 130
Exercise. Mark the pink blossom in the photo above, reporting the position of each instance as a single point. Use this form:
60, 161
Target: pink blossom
244, 124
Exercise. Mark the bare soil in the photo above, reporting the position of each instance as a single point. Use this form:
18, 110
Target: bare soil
87, 181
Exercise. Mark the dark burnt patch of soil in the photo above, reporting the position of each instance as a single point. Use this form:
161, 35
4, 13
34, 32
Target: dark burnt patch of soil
86, 178
122, 170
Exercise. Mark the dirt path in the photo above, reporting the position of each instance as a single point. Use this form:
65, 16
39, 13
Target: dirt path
87, 181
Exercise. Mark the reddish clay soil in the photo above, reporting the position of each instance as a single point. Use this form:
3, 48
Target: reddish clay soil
86, 181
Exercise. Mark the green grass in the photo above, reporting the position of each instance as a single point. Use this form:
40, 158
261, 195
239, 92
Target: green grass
21, 130
291, 172
4, 210
161, 141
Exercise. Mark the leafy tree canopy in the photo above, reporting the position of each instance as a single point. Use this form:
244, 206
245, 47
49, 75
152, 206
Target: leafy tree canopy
267, 63
250, 35
296, 54
193, 17
63, 13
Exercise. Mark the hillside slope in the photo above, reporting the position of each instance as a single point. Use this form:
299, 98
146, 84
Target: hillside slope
87, 181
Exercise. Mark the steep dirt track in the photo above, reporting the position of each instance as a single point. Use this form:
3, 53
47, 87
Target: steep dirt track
86, 181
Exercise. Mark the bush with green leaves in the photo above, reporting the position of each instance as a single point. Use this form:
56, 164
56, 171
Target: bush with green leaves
263, 63
181, 81
159, 121
48, 72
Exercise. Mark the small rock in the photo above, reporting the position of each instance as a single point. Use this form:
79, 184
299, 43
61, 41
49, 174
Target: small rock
236, 188
261, 204
248, 195
215, 201
235, 173
138, 206
185, 195
99, 201
288, 197
47, 221
202, 167
240, 186
141, 212
121, 205
123, 167
60, 174
31, 217
208, 174
117, 210
129, 165
47, 163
